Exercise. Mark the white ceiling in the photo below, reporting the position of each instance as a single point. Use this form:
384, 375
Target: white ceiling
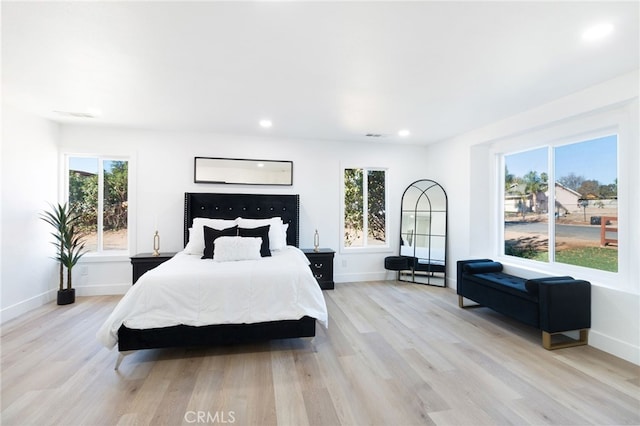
318, 70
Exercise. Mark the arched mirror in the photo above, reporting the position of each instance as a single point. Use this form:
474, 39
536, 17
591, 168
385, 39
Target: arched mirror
423, 233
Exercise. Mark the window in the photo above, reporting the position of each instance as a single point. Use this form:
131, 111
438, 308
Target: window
98, 189
572, 221
364, 208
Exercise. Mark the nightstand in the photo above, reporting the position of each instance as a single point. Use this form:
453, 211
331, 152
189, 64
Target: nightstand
144, 262
321, 266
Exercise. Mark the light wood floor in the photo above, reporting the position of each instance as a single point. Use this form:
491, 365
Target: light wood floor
394, 354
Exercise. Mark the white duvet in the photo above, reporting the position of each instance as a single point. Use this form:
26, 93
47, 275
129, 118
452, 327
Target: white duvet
192, 291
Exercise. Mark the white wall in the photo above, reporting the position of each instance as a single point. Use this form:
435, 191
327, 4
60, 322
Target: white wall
29, 182
469, 174
164, 172
162, 169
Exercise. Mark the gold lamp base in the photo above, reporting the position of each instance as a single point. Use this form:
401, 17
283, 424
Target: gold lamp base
156, 244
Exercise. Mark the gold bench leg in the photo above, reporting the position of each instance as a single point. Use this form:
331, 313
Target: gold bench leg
547, 344
462, 305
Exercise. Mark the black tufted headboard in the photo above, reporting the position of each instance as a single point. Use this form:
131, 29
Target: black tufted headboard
250, 206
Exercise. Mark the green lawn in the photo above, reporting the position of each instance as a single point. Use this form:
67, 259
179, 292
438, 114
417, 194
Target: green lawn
604, 259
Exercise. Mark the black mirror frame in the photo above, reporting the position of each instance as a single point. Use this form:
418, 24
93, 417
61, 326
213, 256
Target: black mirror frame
198, 178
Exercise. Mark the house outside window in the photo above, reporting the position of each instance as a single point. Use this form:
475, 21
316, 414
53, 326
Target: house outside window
560, 204
98, 189
364, 216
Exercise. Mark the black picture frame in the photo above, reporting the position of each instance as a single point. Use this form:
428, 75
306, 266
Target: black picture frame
240, 171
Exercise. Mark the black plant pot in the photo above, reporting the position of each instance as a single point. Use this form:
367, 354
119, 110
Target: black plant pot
67, 296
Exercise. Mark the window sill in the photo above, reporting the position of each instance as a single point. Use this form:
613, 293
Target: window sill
527, 269
120, 256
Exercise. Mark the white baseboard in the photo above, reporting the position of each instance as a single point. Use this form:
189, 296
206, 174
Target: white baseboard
378, 276
102, 290
368, 276
614, 346
14, 311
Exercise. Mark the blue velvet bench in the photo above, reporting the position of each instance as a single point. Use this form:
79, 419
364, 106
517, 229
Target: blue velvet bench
555, 305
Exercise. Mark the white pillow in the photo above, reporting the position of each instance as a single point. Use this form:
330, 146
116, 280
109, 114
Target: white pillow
277, 230
284, 233
229, 249
196, 232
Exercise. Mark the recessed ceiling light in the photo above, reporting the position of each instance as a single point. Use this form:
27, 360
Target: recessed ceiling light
597, 32
266, 123
404, 133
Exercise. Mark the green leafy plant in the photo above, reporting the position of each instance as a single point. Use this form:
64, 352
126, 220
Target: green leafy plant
67, 240
354, 207
521, 248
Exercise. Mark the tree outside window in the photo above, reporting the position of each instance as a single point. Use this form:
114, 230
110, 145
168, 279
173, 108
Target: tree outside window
365, 221
574, 221
98, 190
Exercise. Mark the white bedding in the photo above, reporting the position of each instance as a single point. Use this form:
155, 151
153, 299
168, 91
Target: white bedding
192, 291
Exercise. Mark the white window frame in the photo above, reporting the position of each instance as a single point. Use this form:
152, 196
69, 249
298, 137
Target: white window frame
101, 254
591, 126
551, 220
365, 248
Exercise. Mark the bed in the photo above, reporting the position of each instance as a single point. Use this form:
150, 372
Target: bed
296, 318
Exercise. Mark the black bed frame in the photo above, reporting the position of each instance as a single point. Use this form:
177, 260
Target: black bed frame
227, 206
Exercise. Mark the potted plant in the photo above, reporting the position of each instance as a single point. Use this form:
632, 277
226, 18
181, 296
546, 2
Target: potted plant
69, 247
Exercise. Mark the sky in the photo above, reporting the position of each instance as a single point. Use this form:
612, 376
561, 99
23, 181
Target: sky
84, 164
87, 164
595, 159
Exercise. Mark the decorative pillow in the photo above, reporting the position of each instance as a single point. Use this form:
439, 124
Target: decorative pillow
277, 238
231, 249
284, 233
261, 232
210, 237
196, 233
532, 284
482, 267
